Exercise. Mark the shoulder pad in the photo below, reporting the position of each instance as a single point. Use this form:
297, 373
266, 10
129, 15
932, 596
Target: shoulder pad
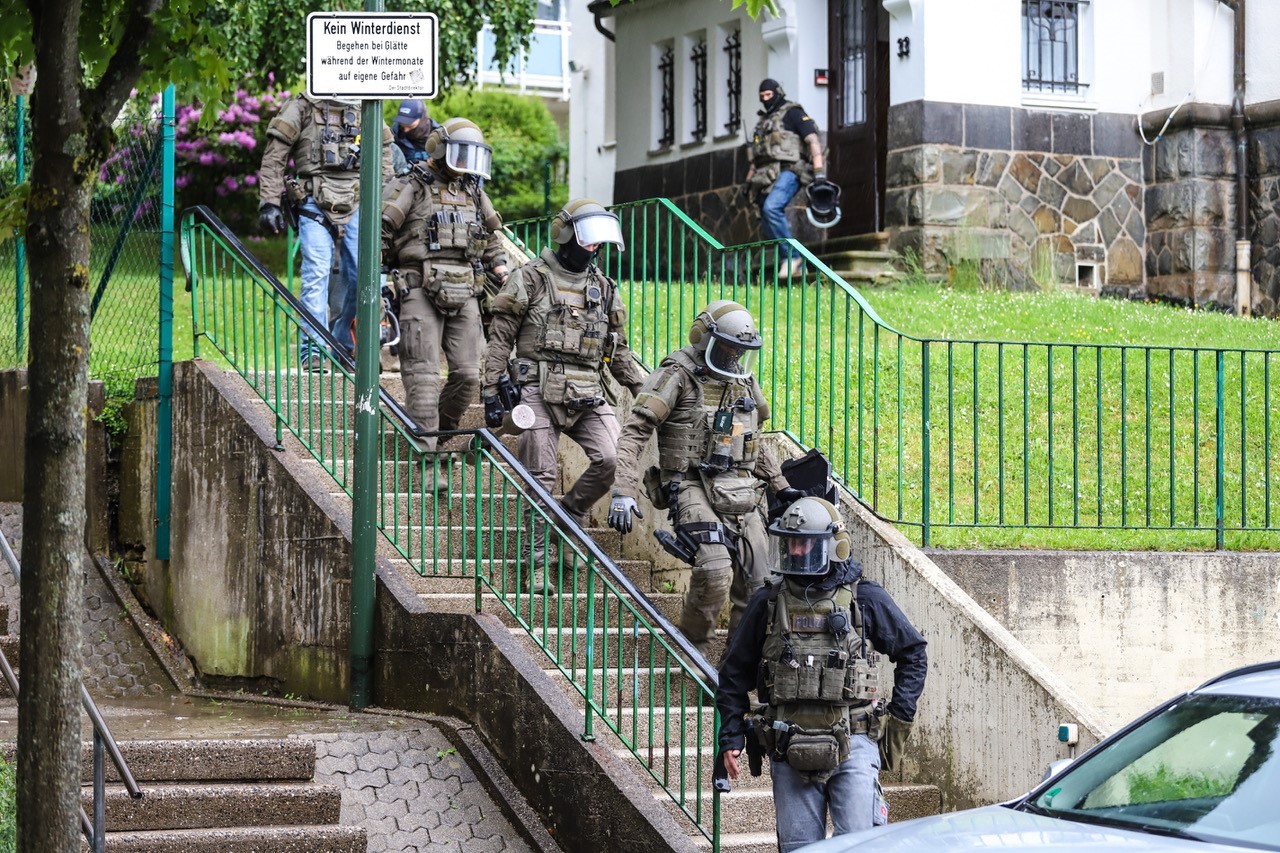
386, 135
287, 123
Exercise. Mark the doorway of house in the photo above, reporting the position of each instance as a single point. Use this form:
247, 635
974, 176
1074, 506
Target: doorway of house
858, 111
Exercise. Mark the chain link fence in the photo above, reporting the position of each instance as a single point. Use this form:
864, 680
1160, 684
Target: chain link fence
125, 255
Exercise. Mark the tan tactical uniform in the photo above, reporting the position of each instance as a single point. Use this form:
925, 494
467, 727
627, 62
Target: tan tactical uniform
684, 404
440, 235
320, 137
775, 148
566, 328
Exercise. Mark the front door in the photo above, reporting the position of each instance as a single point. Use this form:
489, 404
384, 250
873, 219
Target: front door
858, 107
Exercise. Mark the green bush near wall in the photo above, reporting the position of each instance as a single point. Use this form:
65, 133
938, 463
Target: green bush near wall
8, 807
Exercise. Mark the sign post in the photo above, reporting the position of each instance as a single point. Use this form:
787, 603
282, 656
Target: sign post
369, 56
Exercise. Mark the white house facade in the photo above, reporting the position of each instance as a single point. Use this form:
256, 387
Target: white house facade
1005, 130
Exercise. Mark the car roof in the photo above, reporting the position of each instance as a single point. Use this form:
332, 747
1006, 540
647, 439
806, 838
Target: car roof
1261, 679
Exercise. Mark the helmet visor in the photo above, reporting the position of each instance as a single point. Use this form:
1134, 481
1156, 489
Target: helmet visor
731, 359
596, 228
804, 553
468, 158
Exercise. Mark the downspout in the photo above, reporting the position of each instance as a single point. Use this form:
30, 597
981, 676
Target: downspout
595, 16
1244, 266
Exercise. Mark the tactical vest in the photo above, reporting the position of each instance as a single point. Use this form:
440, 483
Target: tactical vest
574, 319
772, 142
729, 429
327, 140
816, 678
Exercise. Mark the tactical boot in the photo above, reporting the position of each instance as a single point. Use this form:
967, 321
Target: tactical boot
539, 583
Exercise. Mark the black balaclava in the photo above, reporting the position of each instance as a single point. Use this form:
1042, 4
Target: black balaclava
768, 84
573, 257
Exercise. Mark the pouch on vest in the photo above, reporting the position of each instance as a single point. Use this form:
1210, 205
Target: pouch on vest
813, 753
574, 388
733, 495
653, 488
449, 286
336, 197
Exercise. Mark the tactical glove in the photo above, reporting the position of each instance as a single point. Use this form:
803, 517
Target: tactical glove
493, 411
819, 175
788, 496
893, 741
271, 219
621, 508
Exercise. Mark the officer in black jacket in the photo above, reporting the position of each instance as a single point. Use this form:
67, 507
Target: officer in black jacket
810, 644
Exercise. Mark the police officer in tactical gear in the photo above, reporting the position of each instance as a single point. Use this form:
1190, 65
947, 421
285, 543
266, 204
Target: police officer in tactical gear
567, 323
810, 645
707, 408
322, 137
439, 236
785, 155
411, 128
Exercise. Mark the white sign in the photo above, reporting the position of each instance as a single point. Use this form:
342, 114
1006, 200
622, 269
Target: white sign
372, 55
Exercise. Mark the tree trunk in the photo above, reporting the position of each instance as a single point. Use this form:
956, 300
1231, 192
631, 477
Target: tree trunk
53, 503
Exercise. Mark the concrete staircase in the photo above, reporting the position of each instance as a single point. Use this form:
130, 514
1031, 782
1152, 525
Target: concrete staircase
747, 812
210, 796
863, 260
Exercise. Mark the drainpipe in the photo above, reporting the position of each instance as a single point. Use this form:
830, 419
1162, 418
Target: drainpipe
1244, 273
595, 17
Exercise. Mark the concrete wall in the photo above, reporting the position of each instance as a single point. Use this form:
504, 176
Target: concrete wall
1128, 630
592, 109
258, 582
13, 448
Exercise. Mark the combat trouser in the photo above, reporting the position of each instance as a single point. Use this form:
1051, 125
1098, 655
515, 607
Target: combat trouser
424, 334
597, 431
717, 572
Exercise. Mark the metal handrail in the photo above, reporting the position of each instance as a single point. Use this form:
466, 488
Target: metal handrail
94, 831
203, 236
1056, 436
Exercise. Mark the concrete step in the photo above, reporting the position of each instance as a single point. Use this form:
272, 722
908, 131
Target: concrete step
633, 687
873, 267
194, 806
559, 610
874, 241
256, 839
753, 808
640, 572
742, 842
635, 648
257, 760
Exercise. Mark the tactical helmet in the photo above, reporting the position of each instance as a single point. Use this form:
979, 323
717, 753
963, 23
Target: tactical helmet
726, 333
824, 204
592, 224
458, 145
811, 536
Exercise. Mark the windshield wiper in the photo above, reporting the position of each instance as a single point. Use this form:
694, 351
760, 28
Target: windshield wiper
1153, 829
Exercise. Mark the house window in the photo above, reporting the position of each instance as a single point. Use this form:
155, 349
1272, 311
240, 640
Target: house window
733, 81
1051, 46
698, 65
667, 96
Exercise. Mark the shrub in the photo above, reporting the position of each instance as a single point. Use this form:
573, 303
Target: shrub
524, 136
8, 806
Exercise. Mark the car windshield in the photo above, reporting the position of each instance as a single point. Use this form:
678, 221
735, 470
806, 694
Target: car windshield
1205, 768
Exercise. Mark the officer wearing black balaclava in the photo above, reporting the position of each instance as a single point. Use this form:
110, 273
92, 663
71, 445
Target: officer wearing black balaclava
785, 155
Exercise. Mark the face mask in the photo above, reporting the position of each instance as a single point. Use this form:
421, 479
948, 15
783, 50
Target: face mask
420, 133
574, 258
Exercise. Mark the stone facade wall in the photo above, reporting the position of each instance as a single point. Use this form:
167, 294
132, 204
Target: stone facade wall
1264, 217
1191, 217
1032, 195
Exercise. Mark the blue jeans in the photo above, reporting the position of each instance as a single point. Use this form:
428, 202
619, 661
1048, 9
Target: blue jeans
774, 212
850, 794
317, 258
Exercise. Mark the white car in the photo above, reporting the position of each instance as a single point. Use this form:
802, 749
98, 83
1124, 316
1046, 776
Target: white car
1201, 772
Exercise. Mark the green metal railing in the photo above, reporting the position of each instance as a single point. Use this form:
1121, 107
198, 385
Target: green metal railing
473, 511
945, 435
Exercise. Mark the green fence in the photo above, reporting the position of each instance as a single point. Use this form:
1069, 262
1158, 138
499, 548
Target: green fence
472, 511
125, 218
942, 435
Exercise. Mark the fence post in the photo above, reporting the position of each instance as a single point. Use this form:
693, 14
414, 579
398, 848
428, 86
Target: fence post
546, 188
924, 444
1220, 476
20, 256
164, 424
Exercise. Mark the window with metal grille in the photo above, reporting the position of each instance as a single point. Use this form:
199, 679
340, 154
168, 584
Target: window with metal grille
698, 60
667, 76
733, 87
1051, 45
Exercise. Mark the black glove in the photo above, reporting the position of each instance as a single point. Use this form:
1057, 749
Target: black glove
271, 219
493, 411
788, 496
621, 508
